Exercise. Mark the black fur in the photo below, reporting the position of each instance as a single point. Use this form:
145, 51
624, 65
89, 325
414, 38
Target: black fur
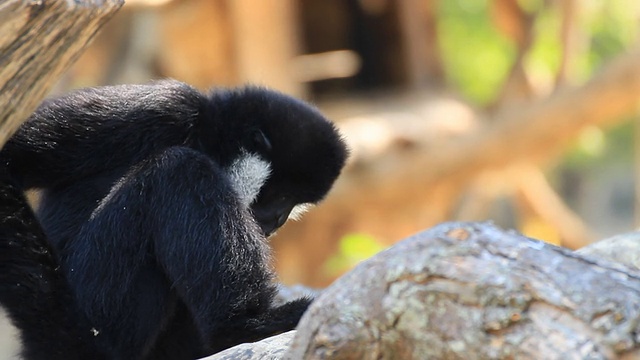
33, 290
158, 257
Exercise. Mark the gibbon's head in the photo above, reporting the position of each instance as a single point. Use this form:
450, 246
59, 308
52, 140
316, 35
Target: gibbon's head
281, 154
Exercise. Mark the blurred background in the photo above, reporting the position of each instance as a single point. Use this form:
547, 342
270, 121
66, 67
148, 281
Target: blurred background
522, 112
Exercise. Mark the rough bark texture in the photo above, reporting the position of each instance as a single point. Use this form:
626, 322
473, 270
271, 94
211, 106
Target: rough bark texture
623, 249
39, 40
473, 291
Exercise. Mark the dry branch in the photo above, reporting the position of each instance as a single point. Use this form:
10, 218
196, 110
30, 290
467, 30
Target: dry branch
539, 197
534, 133
414, 187
39, 40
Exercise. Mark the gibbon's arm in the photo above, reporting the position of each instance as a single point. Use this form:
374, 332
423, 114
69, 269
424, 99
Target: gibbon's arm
96, 130
172, 234
33, 290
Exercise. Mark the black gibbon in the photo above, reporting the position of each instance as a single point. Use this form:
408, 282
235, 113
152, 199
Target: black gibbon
150, 239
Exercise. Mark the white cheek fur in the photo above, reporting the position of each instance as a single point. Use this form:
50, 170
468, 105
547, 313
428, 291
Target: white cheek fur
299, 210
248, 173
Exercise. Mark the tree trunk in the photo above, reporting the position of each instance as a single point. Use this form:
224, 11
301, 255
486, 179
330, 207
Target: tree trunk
39, 40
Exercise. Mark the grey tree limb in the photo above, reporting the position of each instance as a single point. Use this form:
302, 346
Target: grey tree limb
473, 291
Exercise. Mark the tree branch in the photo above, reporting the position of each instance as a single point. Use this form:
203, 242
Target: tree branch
39, 40
405, 188
463, 290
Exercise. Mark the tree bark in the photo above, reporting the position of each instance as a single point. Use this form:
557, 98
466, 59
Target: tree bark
473, 291
272, 348
39, 40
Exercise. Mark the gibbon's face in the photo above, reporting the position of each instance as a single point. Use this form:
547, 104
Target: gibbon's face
288, 156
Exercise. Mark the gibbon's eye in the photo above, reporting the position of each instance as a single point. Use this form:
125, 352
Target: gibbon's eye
260, 141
